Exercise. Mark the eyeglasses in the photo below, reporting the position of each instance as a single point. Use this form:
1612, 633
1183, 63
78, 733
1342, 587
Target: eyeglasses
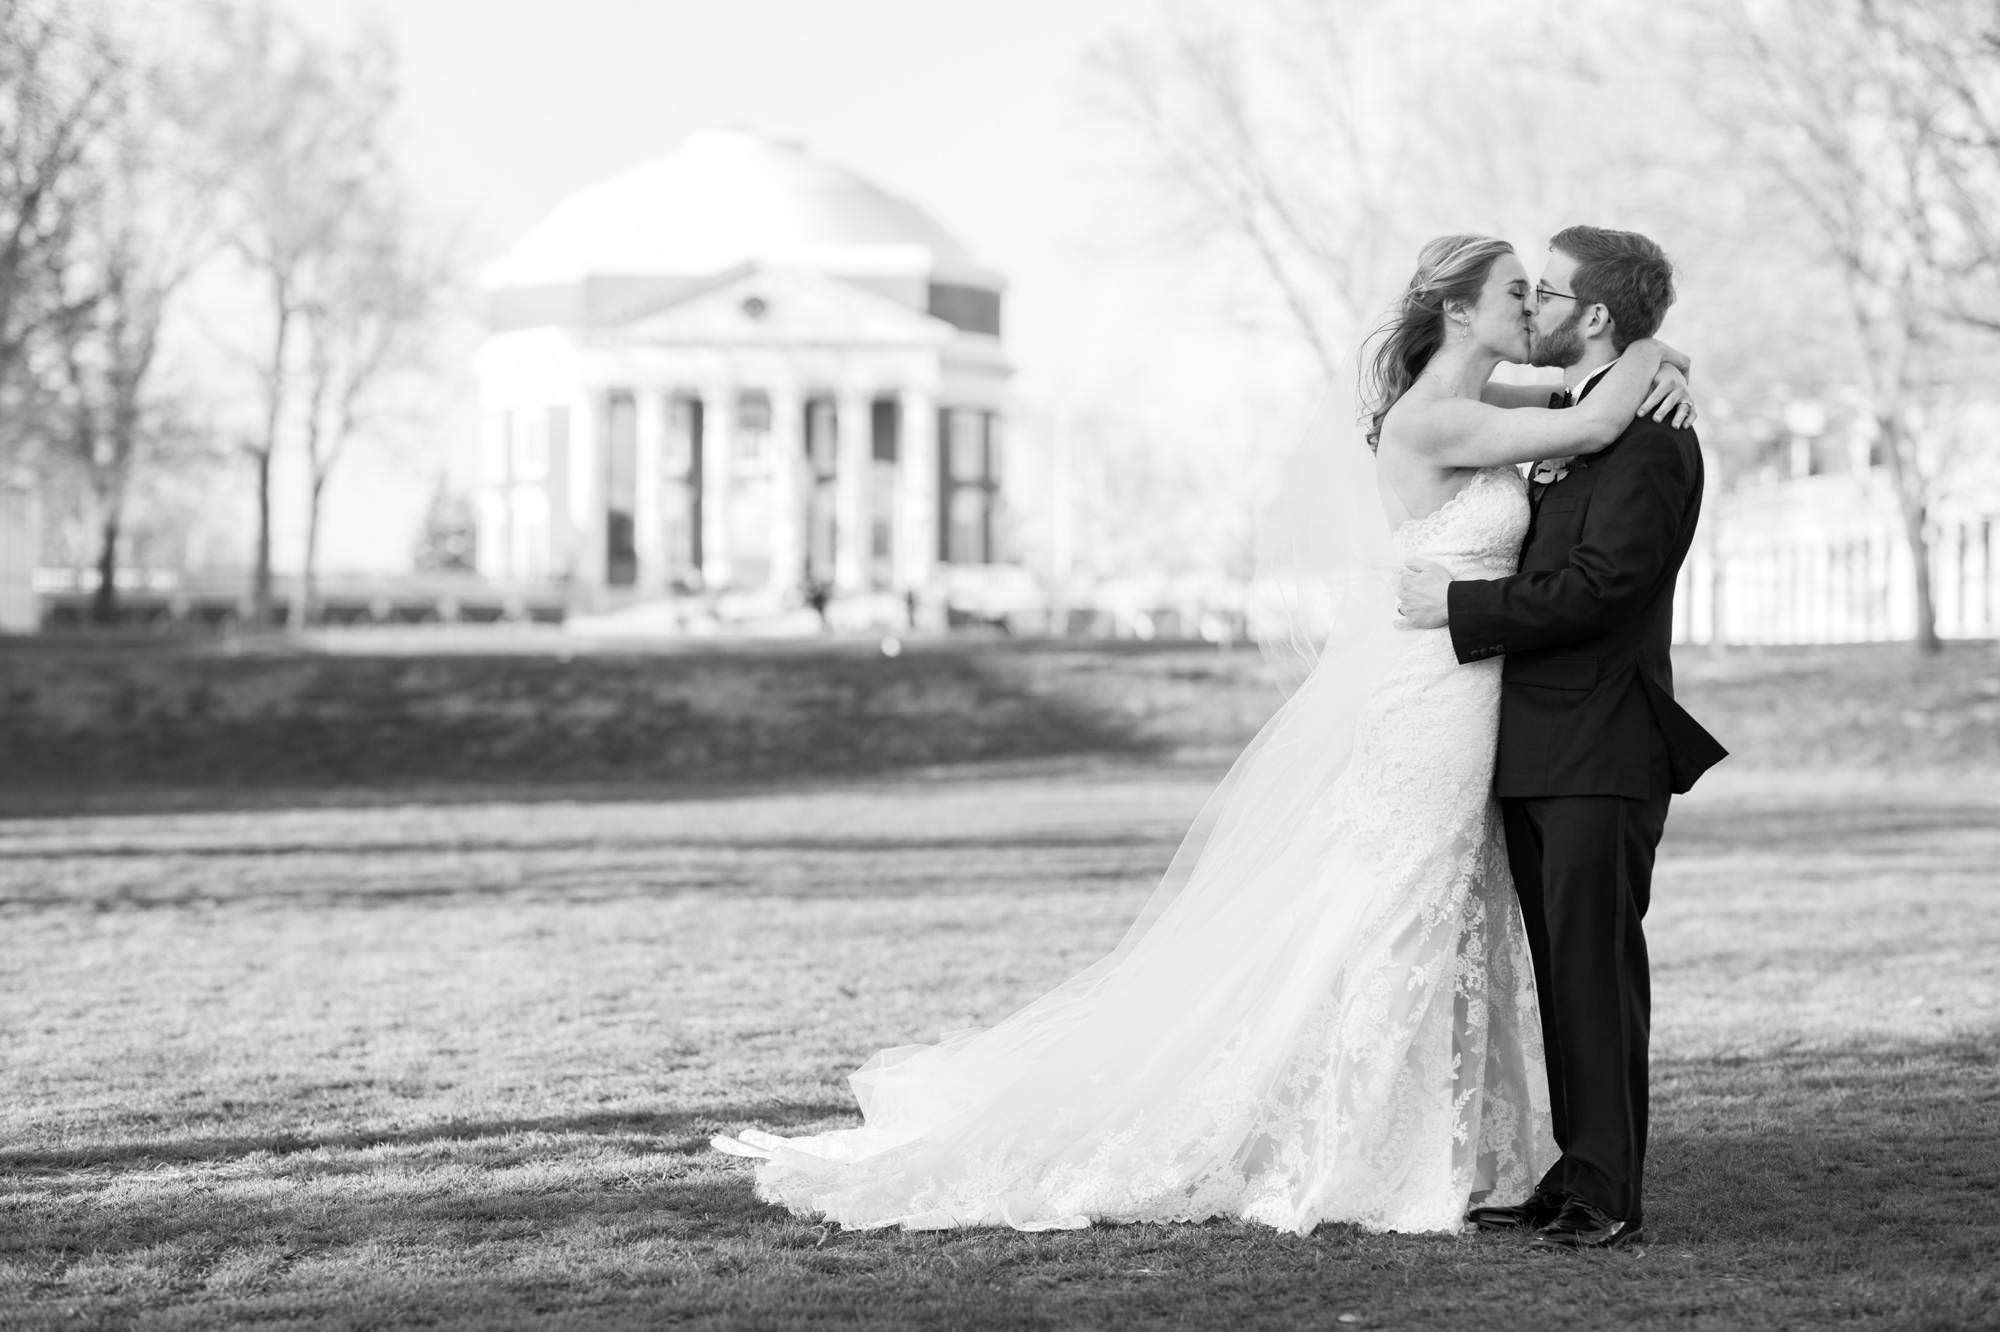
1549, 294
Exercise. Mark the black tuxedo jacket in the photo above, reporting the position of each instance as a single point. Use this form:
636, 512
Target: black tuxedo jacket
1587, 691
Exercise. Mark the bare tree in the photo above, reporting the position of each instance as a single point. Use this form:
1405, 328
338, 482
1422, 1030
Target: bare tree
304, 149
140, 235
1953, 46
1217, 108
366, 326
1326, 138
1877, 118
56, 91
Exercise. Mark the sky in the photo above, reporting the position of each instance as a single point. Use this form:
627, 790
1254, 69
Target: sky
980, 111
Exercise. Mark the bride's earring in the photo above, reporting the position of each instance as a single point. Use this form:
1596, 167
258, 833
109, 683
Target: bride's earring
1464, 331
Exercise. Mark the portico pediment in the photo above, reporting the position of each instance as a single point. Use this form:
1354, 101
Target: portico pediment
765, 307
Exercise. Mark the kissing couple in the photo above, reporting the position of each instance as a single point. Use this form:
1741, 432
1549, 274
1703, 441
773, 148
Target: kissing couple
1396, 975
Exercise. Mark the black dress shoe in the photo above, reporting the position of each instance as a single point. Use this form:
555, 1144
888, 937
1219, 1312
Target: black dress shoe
1538, 1211
1584, 1225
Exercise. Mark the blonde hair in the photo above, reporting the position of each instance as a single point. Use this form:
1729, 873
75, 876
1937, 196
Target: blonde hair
1450, 268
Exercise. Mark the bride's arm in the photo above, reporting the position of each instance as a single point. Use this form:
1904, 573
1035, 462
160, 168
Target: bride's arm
1670, 399
1675, 371
1518, 395
1458, 432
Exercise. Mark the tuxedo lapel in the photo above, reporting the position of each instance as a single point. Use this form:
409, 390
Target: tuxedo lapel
1558, 401
1596, 378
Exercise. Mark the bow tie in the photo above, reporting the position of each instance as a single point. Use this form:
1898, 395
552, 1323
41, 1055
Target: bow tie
1560, 398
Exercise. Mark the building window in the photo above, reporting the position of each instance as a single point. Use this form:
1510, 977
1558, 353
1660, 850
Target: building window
822, 456
885, 421
967, 447
677, 529
753, 432
970, 486
993, 450
966, 538
684, 466
677, 452
621, 491
822, 441
882, 515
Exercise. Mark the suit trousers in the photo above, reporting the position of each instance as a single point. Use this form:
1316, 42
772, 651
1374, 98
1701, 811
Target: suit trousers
1583, 869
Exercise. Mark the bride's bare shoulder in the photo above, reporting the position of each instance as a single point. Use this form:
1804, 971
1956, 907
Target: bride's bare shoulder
1408, 418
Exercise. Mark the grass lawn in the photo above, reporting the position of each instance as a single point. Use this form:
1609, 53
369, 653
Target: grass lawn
452, 1059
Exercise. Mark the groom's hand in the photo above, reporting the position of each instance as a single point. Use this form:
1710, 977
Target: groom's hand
1420, 595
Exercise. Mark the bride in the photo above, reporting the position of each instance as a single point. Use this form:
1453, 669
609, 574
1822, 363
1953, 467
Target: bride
1326, 1012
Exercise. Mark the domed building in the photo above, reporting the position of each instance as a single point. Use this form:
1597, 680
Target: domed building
738, 367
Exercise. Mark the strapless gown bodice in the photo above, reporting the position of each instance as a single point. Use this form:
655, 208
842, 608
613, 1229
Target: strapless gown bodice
1477, 532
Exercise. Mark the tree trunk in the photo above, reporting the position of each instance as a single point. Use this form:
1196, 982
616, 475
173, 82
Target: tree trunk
104, 601
305, 607
1916, 521
274, 404
260, 577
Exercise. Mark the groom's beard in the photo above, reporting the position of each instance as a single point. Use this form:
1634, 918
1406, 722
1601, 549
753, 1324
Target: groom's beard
1561, 346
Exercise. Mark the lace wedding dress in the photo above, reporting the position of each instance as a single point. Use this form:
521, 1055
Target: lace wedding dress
1327, 1014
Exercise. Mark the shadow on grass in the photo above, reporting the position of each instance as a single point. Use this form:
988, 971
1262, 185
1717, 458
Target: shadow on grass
635, 1132
54, 800
1852, 1185
1808, 1146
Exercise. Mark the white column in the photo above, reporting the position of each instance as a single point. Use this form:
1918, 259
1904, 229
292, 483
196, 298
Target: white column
650, 406
852, 534
788, 510
718, 470
916, 489
586, 486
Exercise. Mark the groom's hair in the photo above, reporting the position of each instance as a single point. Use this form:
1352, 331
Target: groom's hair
1624, 272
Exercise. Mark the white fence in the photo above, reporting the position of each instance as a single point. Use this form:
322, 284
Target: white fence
1825, 560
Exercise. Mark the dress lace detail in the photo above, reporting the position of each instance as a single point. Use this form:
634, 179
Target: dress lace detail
1347, 1034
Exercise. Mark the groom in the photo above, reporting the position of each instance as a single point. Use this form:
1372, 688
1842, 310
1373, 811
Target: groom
1592, 744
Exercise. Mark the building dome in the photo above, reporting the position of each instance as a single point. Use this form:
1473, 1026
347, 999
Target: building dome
727, 198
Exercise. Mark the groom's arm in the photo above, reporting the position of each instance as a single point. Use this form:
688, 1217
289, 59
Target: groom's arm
1628, 541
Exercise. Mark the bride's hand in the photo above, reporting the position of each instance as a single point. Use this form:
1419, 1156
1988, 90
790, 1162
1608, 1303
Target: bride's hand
1669, 399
